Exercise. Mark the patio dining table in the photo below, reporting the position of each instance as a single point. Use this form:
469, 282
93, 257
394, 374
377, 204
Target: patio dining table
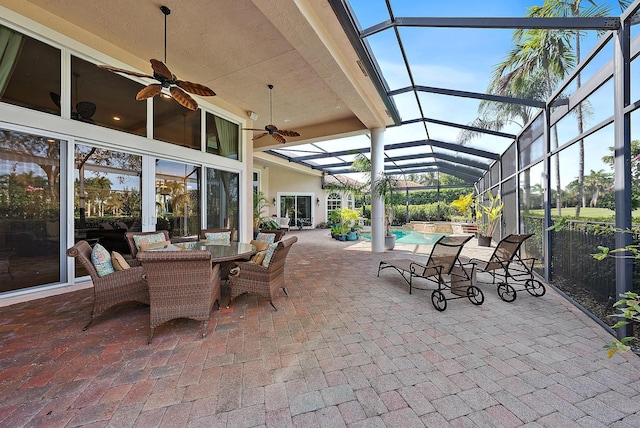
224, 254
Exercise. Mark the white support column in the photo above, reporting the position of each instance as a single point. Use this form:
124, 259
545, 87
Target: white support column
377, 204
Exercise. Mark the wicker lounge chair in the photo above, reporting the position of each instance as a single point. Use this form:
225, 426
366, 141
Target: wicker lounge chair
182, 284
112, 289
443, 260
279, 234
265, 281
505, 262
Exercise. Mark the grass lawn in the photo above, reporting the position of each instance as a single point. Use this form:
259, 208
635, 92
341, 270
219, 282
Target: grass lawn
585, 212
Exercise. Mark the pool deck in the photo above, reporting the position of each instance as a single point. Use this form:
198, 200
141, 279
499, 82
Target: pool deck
347, 348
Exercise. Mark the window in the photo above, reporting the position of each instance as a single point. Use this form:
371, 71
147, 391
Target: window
334, 202
30, 226
107, 99
178, 198
223, 137
176, 124
29, 72
222, 199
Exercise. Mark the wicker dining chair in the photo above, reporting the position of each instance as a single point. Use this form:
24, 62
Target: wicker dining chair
182, 284
203, 233
264, 281
112, 289
133, 248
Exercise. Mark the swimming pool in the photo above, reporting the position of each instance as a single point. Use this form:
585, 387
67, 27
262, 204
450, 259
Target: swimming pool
404, 236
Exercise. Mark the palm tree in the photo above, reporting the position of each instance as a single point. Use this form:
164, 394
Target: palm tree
573, 8
597, 182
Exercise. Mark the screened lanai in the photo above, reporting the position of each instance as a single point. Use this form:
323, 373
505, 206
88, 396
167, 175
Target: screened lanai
564, 155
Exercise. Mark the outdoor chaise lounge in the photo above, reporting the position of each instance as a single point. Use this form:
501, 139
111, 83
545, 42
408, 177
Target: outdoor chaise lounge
443, 260
506, 263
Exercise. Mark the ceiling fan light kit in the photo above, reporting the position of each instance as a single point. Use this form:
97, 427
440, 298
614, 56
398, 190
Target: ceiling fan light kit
271, 129
177, 88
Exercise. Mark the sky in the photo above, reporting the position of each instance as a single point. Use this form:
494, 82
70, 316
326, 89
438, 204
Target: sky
460, 59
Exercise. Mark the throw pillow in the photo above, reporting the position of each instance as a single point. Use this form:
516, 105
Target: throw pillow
148, 239
146, 247
260, 245
218, 238
101, 260
269, 254
267, 237
119, 263
258, 258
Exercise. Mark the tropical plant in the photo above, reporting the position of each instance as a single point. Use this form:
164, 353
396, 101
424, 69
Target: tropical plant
260, 202
488, 215
348, 219
463, 205
384, 185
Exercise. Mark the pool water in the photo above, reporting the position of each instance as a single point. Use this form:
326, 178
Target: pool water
404, 236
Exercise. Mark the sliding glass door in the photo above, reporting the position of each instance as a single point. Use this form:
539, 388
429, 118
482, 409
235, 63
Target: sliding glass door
298, 207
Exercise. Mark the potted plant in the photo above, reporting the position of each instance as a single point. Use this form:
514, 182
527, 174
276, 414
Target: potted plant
384, 185
488, 216
348, 218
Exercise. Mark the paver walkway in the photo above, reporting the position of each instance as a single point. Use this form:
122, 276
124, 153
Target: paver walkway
345, 349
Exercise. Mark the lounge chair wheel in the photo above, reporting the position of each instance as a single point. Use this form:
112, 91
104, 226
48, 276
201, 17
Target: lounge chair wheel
535, 287
438, 300
506, 292
475, 295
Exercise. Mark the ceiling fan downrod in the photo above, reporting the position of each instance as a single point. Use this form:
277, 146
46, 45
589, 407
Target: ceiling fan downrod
166, 11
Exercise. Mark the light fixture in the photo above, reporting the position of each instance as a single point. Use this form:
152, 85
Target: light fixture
116, 118
252, 115
274, 202
318, 201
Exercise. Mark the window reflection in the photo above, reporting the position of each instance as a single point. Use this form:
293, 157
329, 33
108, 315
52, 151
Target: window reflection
29, 72
222, 199
223, 137
107, 197
175, 124
107, 99
30, 229
178, 198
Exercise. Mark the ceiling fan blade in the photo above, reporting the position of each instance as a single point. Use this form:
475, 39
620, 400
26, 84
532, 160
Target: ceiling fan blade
252, 129
149, 91
260, 136
195, 88
56, 99
279, 138
183, 98
86, 109
121, 70
161, 69
289, 133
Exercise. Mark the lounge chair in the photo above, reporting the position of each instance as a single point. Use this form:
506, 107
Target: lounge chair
506, 263
443, 260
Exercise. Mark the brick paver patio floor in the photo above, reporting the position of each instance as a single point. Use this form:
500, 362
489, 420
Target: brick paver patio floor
345, 349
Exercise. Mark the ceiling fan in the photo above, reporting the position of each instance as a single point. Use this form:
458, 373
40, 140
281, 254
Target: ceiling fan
276, 134
177, 88
84, 109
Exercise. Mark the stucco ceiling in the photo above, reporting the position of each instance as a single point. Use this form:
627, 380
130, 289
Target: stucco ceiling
236, 47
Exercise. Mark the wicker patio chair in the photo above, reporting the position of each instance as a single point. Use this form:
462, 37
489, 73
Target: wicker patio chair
203, 233
443, 260
506, 263
132, 243
112, 289
279, 234
182, 284
264, 281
